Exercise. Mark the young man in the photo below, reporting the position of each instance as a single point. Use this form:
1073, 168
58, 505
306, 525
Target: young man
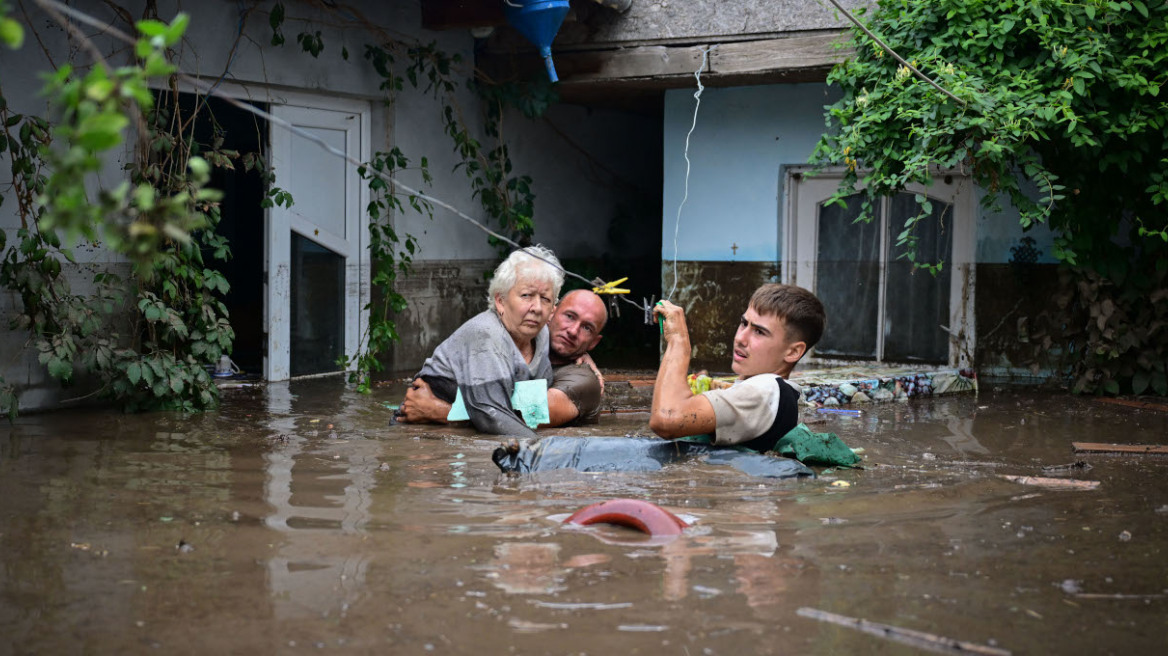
577, 388
780, 325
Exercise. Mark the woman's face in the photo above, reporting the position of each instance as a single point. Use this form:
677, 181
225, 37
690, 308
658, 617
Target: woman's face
525, 308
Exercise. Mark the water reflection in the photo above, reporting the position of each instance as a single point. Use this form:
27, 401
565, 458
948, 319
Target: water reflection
320, 491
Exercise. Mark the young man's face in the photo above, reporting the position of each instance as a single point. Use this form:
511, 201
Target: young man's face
761, 346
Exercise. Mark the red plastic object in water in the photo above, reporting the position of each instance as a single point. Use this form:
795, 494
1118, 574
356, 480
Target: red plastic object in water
634, 513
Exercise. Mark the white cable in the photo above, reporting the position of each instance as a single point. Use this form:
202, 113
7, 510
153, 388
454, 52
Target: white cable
677, 223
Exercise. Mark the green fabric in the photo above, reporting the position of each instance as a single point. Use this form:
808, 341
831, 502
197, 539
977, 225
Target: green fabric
816, 448
529, 398
458, 409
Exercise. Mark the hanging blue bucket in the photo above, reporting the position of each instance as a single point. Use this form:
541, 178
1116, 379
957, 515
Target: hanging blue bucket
538, 20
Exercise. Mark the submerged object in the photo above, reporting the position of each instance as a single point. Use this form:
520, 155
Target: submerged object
633, 513
636, 454
538, 20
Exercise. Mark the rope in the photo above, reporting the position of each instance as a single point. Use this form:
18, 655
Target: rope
677, 222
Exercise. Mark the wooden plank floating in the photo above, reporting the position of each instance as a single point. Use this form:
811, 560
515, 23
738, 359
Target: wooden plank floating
1142, 405
918, 639
1098, 447
1052, 483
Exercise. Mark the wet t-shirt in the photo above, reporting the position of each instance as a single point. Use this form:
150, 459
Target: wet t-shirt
481, 359
582, 388
746, 410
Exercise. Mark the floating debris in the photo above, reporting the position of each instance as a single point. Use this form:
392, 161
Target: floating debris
1052, 483
580, 606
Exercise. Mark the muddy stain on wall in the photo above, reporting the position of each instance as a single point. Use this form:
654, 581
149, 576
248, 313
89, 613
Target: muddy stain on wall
714, 295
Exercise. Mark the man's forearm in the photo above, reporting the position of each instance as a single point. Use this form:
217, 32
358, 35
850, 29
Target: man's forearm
671, 387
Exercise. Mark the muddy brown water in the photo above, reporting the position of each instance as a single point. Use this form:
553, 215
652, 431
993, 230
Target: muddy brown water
260, 529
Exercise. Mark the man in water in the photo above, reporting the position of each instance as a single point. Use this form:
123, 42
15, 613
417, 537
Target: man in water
781, 323
577, 388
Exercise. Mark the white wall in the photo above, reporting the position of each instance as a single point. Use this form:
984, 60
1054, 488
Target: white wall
574, 204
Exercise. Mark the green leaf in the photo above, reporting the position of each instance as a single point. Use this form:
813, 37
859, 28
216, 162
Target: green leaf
177, 28
151, 28
134, 372
11, 33
1140, 381
60, 369
101, 131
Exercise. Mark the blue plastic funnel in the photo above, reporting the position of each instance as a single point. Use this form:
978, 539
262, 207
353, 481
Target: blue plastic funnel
538, 20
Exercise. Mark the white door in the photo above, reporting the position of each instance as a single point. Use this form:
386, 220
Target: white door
878, 307
317, 262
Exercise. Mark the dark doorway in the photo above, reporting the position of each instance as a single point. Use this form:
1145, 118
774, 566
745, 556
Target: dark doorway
242, 216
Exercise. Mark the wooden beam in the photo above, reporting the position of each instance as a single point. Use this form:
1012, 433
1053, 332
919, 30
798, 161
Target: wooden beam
791, 53
1095, 447
661, 66
627, 63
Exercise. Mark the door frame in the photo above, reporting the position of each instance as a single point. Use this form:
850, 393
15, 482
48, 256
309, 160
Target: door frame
280, 222
800, 245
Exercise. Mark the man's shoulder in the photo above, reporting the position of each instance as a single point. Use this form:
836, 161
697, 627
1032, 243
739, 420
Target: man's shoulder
574, 374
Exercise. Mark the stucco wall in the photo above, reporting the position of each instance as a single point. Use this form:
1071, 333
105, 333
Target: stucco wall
678, 20
742, 137
587, 166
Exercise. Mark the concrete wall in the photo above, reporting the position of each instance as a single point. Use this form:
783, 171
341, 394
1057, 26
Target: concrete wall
587, 167
673, 20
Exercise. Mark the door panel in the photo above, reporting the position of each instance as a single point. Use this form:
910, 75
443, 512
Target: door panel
918, 301
847, 274
317, 261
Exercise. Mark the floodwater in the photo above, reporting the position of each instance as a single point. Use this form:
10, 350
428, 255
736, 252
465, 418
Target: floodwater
296, 520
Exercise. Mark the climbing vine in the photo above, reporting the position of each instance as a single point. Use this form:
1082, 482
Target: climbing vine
146, 339
505, 196
149, 335
1059, 111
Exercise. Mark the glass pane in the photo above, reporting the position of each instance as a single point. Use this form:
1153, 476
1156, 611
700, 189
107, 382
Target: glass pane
318, 307
917, 301
320, 179
847, 275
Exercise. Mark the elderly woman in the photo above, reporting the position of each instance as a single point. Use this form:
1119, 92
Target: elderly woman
504, 344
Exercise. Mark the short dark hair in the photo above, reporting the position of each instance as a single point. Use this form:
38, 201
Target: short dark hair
800, 310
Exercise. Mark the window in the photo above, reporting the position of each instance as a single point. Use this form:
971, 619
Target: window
878, 307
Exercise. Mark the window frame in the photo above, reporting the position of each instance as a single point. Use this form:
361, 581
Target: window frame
803, 195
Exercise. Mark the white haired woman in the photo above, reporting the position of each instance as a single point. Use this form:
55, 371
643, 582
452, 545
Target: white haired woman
505, 344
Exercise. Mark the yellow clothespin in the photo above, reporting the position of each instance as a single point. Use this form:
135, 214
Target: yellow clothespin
611, 287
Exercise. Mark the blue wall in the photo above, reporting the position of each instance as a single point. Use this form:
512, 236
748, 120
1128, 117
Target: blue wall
743, 136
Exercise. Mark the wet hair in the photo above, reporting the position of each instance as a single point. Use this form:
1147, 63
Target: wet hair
800, 310
532, 263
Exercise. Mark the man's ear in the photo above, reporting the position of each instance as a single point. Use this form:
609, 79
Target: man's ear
795, 352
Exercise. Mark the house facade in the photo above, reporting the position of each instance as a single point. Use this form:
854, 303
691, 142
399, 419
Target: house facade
740, 206
300, 274
695, 197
